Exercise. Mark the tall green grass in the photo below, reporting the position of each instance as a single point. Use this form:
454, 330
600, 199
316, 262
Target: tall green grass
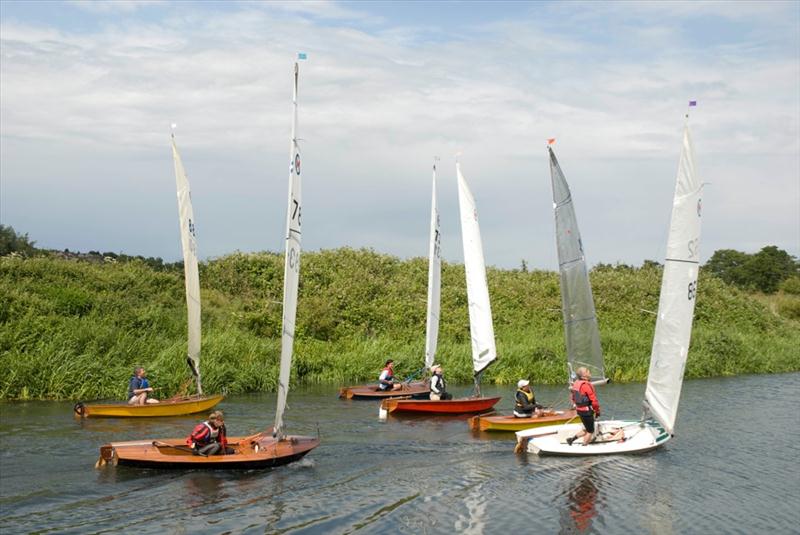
75, 330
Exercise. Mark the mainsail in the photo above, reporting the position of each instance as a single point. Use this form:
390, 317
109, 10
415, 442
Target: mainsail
434, 280
577, 305
480, 311
191, 274
678, 290
291, 270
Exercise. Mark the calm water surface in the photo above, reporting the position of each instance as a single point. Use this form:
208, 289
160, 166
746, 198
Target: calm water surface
415, 475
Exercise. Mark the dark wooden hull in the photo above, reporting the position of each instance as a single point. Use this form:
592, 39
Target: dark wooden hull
415, 390
167, 407
450, 406
510, 423
248, 453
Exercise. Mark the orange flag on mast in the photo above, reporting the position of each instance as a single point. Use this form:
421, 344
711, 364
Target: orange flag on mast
551, 141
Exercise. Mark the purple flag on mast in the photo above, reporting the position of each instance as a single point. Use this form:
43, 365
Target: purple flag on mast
692, 103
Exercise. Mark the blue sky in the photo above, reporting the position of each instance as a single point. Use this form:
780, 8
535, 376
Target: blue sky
89, 90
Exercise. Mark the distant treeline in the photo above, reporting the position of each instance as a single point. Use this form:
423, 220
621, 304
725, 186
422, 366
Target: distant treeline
73, 329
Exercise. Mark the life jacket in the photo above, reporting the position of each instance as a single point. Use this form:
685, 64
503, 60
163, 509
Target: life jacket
205, 433
135, 384
530, 397
582, 401
438, 384
389, 375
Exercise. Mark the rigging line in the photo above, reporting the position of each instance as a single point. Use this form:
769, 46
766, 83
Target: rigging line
680, 260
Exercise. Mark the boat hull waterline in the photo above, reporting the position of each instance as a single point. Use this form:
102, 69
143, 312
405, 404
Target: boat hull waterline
450, 406
512, 423
261, 452
169, 407
417, 389
639, 437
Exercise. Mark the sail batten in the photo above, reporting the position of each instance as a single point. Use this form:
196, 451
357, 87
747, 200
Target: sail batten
434, 280
581, 333
291, 271
678, 291
190, 267
484, 351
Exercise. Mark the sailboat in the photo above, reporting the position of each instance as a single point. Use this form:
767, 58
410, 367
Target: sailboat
180, 404
419, 388
581, 333
271, 447
480, 318
670, 341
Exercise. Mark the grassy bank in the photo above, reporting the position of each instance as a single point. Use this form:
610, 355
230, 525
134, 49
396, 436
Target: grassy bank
74, 330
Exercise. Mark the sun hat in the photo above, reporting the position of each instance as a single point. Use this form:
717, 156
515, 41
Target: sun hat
523, 382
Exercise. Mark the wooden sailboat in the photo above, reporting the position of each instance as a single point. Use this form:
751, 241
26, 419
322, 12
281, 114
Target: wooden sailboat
670, 342
180, 404
419, 388
581, 334
480, 318
268, 448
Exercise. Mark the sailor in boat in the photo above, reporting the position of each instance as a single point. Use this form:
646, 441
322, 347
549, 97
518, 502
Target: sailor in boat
139, 388
525, 405
438, 385
585, 399
209, 437
386, 379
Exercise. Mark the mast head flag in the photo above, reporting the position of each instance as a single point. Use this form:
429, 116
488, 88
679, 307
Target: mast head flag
302, 55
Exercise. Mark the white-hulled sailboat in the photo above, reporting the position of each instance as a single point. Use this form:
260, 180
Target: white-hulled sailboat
267, 448
416, 389
581, 333
670, 342
179, 404
480, 318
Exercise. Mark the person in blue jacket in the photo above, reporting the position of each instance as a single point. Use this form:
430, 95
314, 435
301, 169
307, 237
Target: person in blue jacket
139, 388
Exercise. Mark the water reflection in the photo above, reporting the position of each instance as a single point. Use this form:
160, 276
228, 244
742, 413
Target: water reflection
582, 499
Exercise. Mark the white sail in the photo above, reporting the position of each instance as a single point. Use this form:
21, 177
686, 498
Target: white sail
480, 311
192, 276
291, 271
434, 281
577, 304
678, 290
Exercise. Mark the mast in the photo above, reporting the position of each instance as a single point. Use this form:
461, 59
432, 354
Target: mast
434, 280
678, 291
480, 311
291, 270
581, 334
191, 273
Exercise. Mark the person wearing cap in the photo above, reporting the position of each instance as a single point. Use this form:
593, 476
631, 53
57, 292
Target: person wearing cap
386, 379
525, 405
438, 385
209, 437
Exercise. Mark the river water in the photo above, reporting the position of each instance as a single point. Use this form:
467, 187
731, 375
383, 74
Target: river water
732, 468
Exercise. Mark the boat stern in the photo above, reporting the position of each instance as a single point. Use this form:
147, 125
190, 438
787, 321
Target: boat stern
107, 456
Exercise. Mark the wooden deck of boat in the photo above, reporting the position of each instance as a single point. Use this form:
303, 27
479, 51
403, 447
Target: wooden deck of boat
417, 389
260, 452
167, 407
512, 423
450, 406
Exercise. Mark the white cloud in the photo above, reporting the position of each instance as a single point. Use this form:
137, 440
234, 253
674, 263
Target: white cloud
375, 107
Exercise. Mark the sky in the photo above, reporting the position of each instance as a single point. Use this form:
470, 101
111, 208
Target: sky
89, 91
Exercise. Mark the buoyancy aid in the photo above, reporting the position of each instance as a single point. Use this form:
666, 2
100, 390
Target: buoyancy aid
438, 384
205, 433
580, 396
528, 396
389, 374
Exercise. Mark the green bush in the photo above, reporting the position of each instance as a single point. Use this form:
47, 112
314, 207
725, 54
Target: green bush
75, 329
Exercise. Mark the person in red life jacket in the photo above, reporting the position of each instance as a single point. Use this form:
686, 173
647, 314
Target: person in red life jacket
209, 438
585, 399
386, 379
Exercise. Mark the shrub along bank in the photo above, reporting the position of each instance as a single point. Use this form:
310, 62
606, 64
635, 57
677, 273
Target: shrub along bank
75, 330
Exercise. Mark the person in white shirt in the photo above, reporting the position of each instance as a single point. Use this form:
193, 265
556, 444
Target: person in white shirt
438, 385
